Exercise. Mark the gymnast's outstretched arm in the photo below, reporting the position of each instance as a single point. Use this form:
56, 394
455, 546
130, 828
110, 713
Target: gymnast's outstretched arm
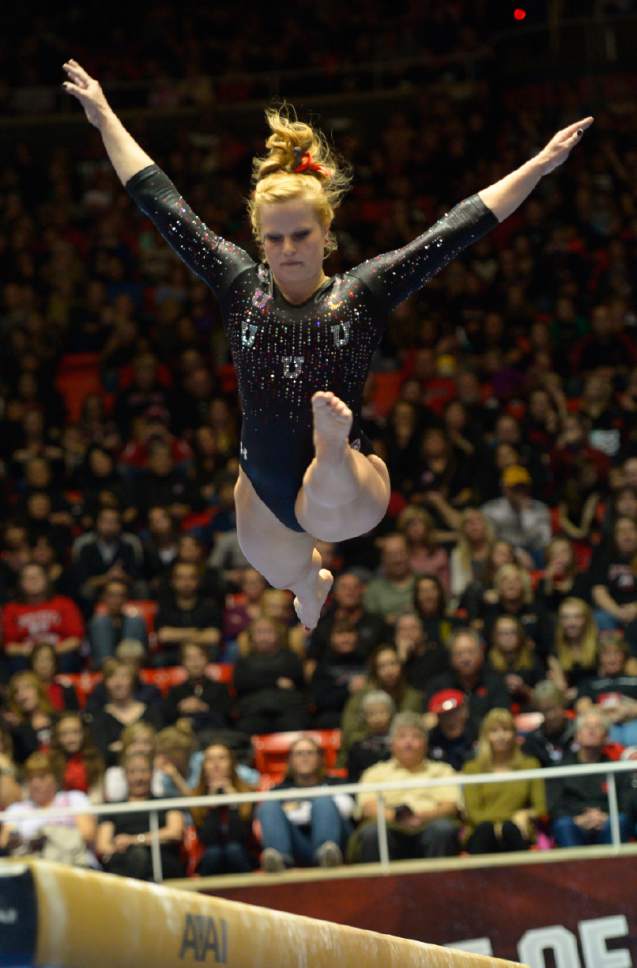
393, 276
126, 156
504, 196
216, 261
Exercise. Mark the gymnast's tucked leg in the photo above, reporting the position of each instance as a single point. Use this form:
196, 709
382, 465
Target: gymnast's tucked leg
344, 493
285, 558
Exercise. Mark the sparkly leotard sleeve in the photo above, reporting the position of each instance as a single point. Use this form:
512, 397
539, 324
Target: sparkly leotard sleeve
284, 353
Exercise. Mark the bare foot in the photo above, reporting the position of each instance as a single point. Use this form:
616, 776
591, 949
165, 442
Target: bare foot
332, 424
310, 600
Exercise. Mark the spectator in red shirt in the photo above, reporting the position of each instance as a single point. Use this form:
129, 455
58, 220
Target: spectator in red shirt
39, 616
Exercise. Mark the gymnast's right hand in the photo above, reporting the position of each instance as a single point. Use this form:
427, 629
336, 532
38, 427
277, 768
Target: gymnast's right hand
87, 91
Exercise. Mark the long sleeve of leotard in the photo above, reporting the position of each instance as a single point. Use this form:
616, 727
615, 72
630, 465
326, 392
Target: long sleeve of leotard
395, 275
215, 260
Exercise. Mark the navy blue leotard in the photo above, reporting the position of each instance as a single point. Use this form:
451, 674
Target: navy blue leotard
284, 353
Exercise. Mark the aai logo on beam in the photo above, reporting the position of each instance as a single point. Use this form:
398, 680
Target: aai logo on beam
205, 939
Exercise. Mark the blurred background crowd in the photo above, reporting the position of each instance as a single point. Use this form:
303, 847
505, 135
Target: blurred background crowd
141, 656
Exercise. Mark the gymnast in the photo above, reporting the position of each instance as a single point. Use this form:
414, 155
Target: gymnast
302, 341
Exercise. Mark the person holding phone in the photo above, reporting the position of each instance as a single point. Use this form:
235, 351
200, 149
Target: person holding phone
420, 822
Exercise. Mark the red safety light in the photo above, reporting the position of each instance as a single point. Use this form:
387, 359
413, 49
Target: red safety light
519, 13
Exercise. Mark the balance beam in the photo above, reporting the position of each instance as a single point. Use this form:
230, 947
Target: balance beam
53, 916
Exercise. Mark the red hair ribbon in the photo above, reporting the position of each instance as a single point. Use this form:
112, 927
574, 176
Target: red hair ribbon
308, 164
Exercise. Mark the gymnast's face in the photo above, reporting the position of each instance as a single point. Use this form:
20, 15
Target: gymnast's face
293, 242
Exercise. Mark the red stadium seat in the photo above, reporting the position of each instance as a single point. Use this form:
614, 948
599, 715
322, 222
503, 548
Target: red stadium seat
271, 749
78, 375
164, 678
221, 672
168, 676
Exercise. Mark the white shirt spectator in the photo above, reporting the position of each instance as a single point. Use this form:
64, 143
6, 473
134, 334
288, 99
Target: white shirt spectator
31, 827
526, 527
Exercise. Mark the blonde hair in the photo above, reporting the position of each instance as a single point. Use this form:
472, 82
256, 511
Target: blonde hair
462, 544
493, 719
552, 545
588, 642
135, 731
275, 180
279, 628
177, 737
505, 571
411, 513
44, 703
113, 665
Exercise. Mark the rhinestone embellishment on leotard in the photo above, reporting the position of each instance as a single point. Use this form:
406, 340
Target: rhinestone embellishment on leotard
292, 366
340, 333
261, 298
248, 333
283, 354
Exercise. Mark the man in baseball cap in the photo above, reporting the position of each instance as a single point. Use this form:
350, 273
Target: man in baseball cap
515, 475
452, 739
517, 517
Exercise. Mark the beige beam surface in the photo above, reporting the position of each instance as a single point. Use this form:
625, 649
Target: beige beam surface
89, 919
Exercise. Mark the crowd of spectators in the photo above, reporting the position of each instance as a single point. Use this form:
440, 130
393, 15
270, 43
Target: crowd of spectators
198, 56
503, 580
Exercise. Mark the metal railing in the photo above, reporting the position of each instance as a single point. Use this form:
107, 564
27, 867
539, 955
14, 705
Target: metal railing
308, 793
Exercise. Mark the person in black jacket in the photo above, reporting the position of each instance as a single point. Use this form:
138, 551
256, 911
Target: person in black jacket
124, 839
130, 652
347, 605
340, 674
199, 698
121, 709
484, 689
613, 583
553, 740
378, 709
184, 615
162, 484
104, 554
578, 805
225, 832
269, 682
29, 715
452, 740
512, 655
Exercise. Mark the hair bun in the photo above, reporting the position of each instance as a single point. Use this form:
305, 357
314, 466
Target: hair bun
299, 162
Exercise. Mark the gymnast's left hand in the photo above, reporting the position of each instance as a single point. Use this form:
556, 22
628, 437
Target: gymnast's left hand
561, 144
